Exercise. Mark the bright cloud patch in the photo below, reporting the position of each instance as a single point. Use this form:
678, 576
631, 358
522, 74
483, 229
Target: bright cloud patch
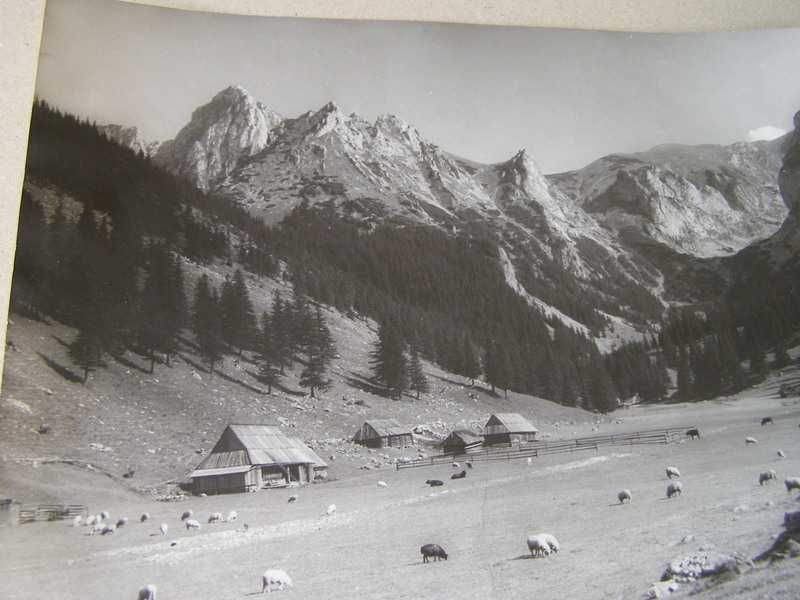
767, 132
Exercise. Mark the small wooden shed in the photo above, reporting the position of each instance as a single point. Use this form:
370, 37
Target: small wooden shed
252, 457
461, 441
383, 433
506, 428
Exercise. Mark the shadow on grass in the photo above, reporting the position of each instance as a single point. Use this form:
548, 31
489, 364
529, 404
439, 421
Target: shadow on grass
276, 386
60, 341
365, 385
60, 369
223, 376
131, 365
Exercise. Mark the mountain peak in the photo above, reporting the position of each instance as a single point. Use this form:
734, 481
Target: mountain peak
233, 92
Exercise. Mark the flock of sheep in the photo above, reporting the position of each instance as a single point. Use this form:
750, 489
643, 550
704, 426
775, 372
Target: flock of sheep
539, 545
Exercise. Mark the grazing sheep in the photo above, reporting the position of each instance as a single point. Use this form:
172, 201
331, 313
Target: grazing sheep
122, 521
128, 474
163, 528
675, 488
750, 440
781, 454
293, 498
331, 509
275, 577
693, 433
434, 482
104, 515
624, 495
460, 475
792, 483
192, 524
468, 463
144, 517
77, 521
530, 460
766, 476
672, 472
214, 517
98, 527
383, 484
110, 528
551, 541
434, 551
456, 465
148, 592
90, 520
767, 421
542, 544
187, 514
232, 516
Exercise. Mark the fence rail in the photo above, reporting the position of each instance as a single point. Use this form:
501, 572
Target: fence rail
51, 512
543, 448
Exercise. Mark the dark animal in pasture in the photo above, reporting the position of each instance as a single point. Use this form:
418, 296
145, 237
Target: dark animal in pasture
693, 433
459, 475
767, 421
434, 551
434, 482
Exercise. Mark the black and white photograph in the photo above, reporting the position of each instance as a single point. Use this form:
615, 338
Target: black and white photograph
402, 310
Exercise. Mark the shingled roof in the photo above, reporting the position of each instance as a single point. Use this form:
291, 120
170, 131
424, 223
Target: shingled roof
259, 445
384, 427
513, 422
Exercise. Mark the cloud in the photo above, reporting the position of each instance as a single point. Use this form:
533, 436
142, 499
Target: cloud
767, 132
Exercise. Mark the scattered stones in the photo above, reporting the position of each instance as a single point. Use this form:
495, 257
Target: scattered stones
703, 563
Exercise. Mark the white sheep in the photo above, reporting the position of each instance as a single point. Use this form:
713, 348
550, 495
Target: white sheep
187, 514
383, 484
277, 577
672, 472
232, 516
530, 460
163, 528
675, 488
792, 483
331, 510
110, 528
214, 517
104, 515
456, 465
624, 495
144, 517
750, 440
542, 544
766, 476
122, 521
98, 527
77, 521
192, 524
781, 454
148, 592
552, 542
90, 520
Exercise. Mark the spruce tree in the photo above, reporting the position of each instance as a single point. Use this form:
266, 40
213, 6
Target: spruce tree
388, 361
320, 350
684, 374
268, 369
280, 332
207, 325
471, 364
417, 382
87, 351
782, 358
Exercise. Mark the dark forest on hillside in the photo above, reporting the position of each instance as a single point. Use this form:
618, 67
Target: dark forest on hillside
115, 273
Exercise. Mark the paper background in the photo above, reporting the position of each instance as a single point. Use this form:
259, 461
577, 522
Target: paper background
21, 25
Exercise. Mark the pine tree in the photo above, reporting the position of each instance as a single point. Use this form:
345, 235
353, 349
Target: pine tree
280, 332
498, 367
87, 351
782, 358
238, 317
684, 374
416, 378
388, 361
320, 350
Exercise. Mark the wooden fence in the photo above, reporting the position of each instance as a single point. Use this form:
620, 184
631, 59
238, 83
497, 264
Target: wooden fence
543, 448
51, 512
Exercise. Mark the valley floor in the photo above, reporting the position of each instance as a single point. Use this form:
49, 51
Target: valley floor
370, 547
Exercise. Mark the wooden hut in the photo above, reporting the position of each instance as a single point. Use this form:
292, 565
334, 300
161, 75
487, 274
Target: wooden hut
383, 433
251, 457
461, 441
506, 428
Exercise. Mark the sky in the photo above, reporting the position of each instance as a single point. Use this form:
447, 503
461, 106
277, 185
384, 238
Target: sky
568, 97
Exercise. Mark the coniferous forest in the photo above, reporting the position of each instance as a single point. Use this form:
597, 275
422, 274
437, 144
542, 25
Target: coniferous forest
107, 257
